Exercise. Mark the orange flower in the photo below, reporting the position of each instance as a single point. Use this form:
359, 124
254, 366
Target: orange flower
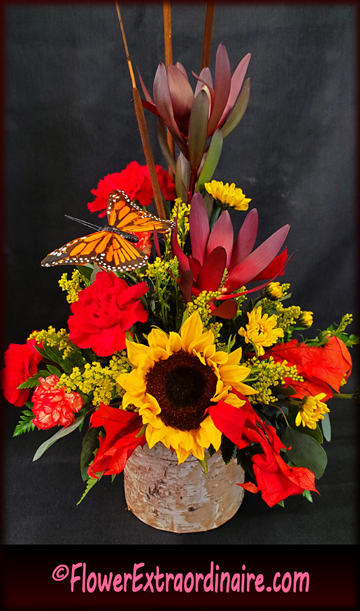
53, 406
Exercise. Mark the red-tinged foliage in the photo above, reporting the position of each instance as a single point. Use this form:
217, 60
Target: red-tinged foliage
275, 479
21, 361
120, 441
323, 368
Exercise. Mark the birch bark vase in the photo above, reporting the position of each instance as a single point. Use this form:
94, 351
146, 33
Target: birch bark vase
181, 498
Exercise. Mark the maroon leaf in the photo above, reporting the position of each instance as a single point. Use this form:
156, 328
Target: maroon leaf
199, 227
204, 78
182, 97
145, 91
185, 285
163, 103
195, 267
177, 252
222, 234
150, 107
238, 110
245, 240
250, 267
237, 80
198, 129
222, 87
227, 309
212, 271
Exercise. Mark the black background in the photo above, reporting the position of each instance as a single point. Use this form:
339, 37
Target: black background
70, 121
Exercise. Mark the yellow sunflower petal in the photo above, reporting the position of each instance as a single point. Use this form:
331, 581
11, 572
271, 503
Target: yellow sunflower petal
157, 338
158, 354
135, 352
244, 389
182, 455
174, 343
208, 434
200, 343
234, 400
153, 435
234, 357
191, 330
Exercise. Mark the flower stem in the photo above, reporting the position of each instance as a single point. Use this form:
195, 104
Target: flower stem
343, 396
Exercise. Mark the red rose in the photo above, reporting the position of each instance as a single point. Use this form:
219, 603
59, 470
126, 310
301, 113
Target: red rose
120, 441
275, 479
21, 361
104, 312
135, 181
321, 367
53, 406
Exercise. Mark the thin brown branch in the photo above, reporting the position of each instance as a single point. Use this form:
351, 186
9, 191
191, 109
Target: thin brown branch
209, 21
144, 134
168, 60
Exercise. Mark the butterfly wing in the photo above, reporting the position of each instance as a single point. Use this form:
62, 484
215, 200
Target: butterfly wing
105, 248
126, 216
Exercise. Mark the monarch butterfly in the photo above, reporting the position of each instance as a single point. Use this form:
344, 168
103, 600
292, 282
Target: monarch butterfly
111, 247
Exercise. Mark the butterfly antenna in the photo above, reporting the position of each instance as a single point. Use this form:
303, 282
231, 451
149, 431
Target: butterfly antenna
72, 218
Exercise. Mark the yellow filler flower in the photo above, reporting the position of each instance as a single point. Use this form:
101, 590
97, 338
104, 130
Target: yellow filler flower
228, 195
311, 411
261, 330
176, 378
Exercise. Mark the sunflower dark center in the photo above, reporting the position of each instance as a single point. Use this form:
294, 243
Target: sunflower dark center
183, 387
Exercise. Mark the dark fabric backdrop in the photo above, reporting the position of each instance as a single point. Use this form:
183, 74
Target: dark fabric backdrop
70, 121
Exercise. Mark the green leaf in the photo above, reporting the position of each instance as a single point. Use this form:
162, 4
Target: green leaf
308, 496
30, 382
54, 370
142, 431
95, 271
326, 426
198, 125
25, 425
164, 144
281, 503
53, 353
40, 350
211, 450
89, 445
304, 430
85, 270
179, 185
212, 160
90, 484
203, 463
61, 433
238, 111
305, 451
227, 449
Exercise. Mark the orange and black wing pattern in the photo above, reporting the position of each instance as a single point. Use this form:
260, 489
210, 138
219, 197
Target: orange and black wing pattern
108, 250
126, 216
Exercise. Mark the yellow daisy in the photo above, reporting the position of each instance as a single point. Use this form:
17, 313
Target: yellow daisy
175, 379
227, 195
261, 330
311, 411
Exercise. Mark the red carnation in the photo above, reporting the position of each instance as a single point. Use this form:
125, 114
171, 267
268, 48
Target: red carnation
323, 368
104, 312
53, 406
135, 181
21, 361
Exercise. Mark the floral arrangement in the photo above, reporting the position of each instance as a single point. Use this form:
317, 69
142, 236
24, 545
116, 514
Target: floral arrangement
186, 338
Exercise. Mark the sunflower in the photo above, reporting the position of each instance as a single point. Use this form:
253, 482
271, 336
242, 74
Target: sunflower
175, 379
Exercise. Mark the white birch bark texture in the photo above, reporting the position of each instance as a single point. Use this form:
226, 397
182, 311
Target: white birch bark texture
181, 498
